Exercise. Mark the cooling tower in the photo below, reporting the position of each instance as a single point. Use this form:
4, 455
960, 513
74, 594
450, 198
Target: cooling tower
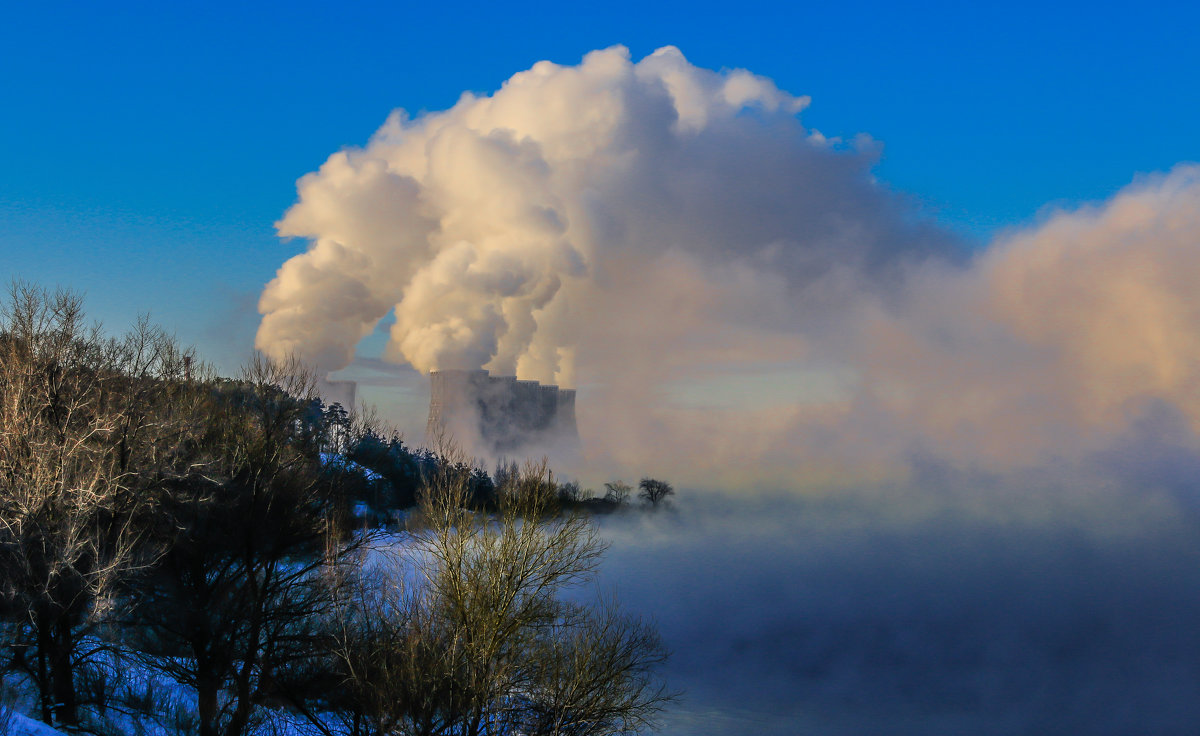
499, 415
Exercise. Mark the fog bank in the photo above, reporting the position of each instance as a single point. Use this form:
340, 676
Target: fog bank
923, 611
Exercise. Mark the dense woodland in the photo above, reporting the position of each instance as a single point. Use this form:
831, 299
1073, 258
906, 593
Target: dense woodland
185, 553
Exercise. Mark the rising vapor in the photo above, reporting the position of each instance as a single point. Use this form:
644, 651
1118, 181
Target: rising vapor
508, 231
659, 234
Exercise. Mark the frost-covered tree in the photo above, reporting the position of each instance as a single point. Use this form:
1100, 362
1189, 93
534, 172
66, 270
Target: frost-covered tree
84, 422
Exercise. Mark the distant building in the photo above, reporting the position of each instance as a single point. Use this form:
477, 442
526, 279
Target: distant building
499, 415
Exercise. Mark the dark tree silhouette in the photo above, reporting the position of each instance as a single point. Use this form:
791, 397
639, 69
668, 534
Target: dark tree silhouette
654, 492
248, 541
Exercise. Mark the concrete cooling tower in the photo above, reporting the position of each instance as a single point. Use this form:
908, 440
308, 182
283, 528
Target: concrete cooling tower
499, 415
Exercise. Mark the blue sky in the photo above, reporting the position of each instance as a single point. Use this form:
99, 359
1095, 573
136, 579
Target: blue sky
148, 148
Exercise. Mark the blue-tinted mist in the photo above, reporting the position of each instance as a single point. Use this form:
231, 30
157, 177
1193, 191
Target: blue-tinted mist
1044, 608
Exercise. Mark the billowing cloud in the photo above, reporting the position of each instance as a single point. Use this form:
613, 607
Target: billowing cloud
677, 207
734, 294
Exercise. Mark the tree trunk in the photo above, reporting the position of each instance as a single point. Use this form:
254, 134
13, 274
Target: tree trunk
44, 689
241, 712
62, 673
206, 704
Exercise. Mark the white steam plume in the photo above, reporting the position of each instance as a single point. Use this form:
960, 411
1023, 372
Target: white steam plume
661, 234
505, 230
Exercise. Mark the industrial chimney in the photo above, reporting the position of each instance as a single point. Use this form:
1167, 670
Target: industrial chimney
499, 415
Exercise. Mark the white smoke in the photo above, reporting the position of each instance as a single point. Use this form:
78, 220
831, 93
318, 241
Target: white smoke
504, 230
662, 235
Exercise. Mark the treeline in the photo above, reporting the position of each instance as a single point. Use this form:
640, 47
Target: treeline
167, 531
390, 474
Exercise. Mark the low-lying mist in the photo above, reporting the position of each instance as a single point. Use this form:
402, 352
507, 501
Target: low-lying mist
1039, 608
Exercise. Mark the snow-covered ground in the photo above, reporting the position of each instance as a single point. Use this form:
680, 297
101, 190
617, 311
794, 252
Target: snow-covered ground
22, 725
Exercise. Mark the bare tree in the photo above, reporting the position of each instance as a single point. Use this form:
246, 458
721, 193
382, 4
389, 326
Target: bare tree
472, 635
529, 491
617, 492
594, 676
73, 407
246, 539
654, 492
